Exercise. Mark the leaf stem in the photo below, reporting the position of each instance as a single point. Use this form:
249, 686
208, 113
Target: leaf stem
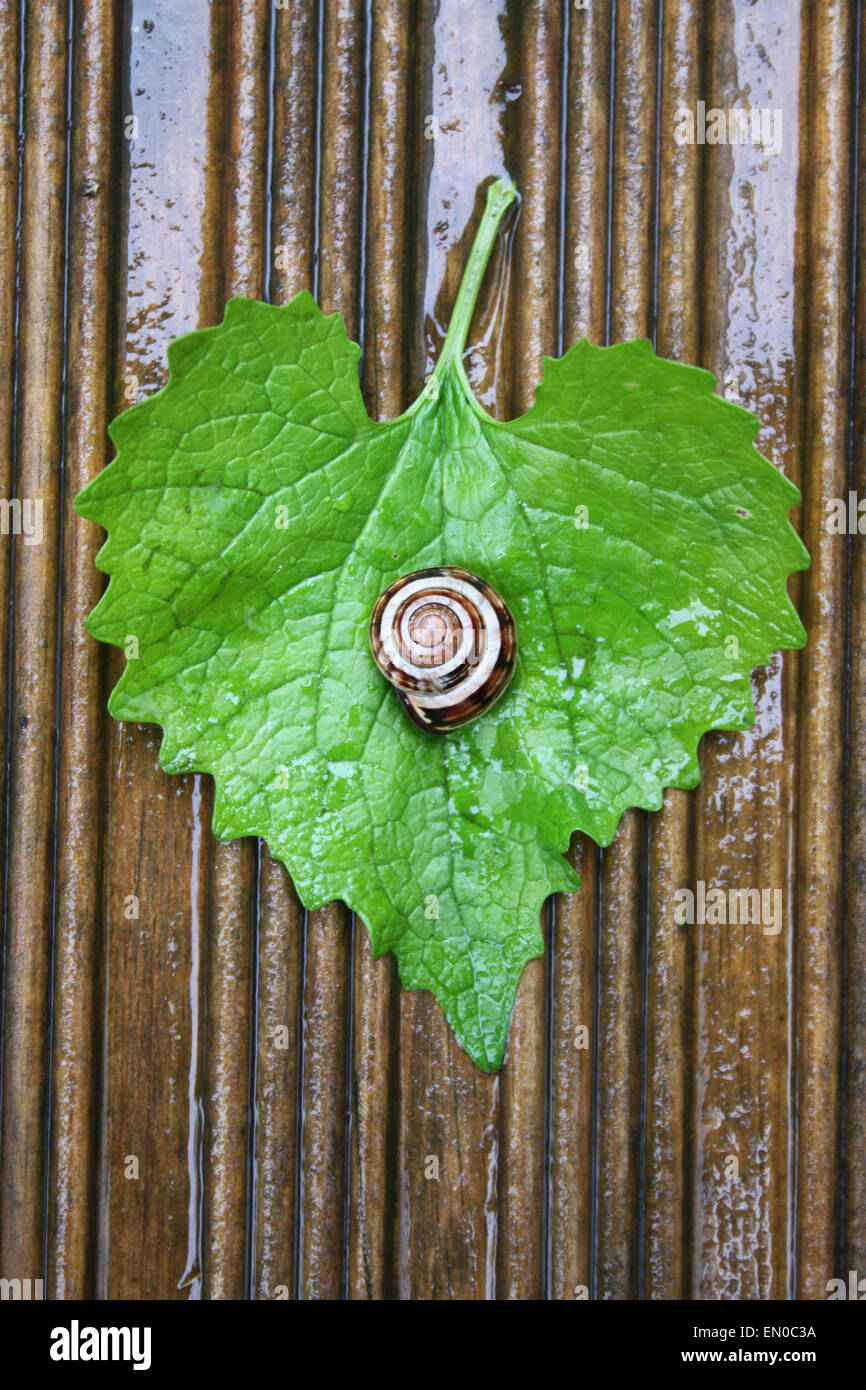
500, 195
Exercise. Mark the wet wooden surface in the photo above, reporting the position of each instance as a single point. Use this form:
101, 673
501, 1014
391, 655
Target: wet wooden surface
206, 1091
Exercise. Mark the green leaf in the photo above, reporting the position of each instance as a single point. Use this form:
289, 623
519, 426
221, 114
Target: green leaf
255, 513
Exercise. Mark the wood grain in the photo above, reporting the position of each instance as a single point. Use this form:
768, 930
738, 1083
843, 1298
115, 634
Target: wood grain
156, 847
33, 673
327, 988
281, 920
854, 1237
521, 1271
374, 1117
574, 944
233, 867
78, 1001
744, 971
827, 291
10, 116
669, 1096
623, 872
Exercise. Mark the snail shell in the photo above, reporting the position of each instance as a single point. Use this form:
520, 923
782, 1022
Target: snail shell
446, 641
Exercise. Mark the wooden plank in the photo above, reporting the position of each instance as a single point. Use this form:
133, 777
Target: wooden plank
522, 1196
281, 919
668, 1097
623, 872
154, 963
10, 78
742, 1149
29, 849
11, 58
10, 117
327, 986
373, 1196
78, 922
233, 866
448, 1147
574, 935
854, 1237
828, 56
278, 993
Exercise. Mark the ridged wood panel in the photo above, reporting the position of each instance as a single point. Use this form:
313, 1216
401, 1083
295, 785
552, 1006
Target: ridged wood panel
208, 1092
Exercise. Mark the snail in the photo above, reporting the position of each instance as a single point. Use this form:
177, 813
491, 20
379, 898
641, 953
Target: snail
446, 641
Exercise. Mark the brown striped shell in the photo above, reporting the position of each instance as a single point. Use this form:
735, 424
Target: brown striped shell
446, 641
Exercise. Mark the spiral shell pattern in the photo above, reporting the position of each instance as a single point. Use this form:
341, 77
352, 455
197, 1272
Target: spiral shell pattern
446, 641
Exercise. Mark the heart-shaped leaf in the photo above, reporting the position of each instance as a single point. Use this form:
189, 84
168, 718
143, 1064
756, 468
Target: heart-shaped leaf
255, 513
